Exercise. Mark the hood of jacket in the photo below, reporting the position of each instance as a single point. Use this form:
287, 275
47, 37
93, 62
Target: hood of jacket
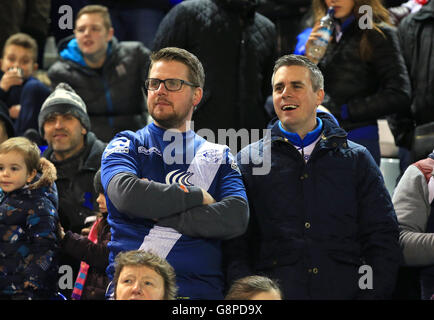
69, 50
246, 8
48, 192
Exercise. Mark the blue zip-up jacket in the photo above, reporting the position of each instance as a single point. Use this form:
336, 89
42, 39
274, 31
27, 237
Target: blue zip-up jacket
113, 94
314, 224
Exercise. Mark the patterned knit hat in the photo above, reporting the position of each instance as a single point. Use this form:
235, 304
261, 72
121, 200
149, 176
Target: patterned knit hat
63, 100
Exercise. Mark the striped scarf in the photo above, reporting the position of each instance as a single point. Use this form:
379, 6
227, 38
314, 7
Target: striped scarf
84, 267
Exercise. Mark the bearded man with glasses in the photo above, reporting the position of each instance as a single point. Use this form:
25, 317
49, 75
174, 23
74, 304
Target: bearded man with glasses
169, 190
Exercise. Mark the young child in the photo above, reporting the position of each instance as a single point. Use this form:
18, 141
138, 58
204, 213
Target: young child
92, 280
19, 90
28, 222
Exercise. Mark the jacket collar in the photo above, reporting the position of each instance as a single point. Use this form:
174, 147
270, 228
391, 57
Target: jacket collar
69, 50
426, 12
332, 136
245, 8
87, 153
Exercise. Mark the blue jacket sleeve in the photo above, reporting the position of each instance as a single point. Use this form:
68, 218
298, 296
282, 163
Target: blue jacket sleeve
33, 95
300, 47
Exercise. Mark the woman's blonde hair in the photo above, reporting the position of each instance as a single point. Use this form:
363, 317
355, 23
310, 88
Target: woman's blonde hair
380, 15
152, 261
31, 154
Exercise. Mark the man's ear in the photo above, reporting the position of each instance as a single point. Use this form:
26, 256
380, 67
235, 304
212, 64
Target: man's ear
197, 96
35, 67
110, 34
83, 130
320, 96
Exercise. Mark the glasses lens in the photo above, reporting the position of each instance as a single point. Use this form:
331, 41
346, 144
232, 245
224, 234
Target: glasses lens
173, 84
152, 84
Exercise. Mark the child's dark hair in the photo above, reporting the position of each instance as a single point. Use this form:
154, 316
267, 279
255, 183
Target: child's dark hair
97, 184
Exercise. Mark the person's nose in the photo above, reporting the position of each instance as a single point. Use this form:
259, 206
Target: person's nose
287, 92
58, 123
101, 200
86, 31
137, 288
4, 172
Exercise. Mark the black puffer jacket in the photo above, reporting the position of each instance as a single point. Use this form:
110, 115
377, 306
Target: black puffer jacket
371, 89
113, 95
416, 35
77, 197
237, 49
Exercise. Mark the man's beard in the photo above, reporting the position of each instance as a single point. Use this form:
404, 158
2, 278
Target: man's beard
171, 121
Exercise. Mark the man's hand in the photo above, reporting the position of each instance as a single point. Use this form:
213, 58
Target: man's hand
11, 78
14, 111
207, 198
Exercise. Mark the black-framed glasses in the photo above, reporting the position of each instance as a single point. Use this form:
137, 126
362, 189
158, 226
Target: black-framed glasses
170, 84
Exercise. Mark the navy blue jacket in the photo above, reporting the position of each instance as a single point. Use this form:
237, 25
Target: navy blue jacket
313, 224
30, 95
28, 242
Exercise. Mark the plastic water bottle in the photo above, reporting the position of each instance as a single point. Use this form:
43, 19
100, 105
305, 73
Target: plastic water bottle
318, 47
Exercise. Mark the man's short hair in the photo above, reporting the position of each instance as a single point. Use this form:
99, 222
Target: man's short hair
316, 76
147, 259
196, 74
247, 287
25, 41
102, 10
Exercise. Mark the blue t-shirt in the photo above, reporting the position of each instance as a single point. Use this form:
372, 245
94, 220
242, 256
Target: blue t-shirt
188, 159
